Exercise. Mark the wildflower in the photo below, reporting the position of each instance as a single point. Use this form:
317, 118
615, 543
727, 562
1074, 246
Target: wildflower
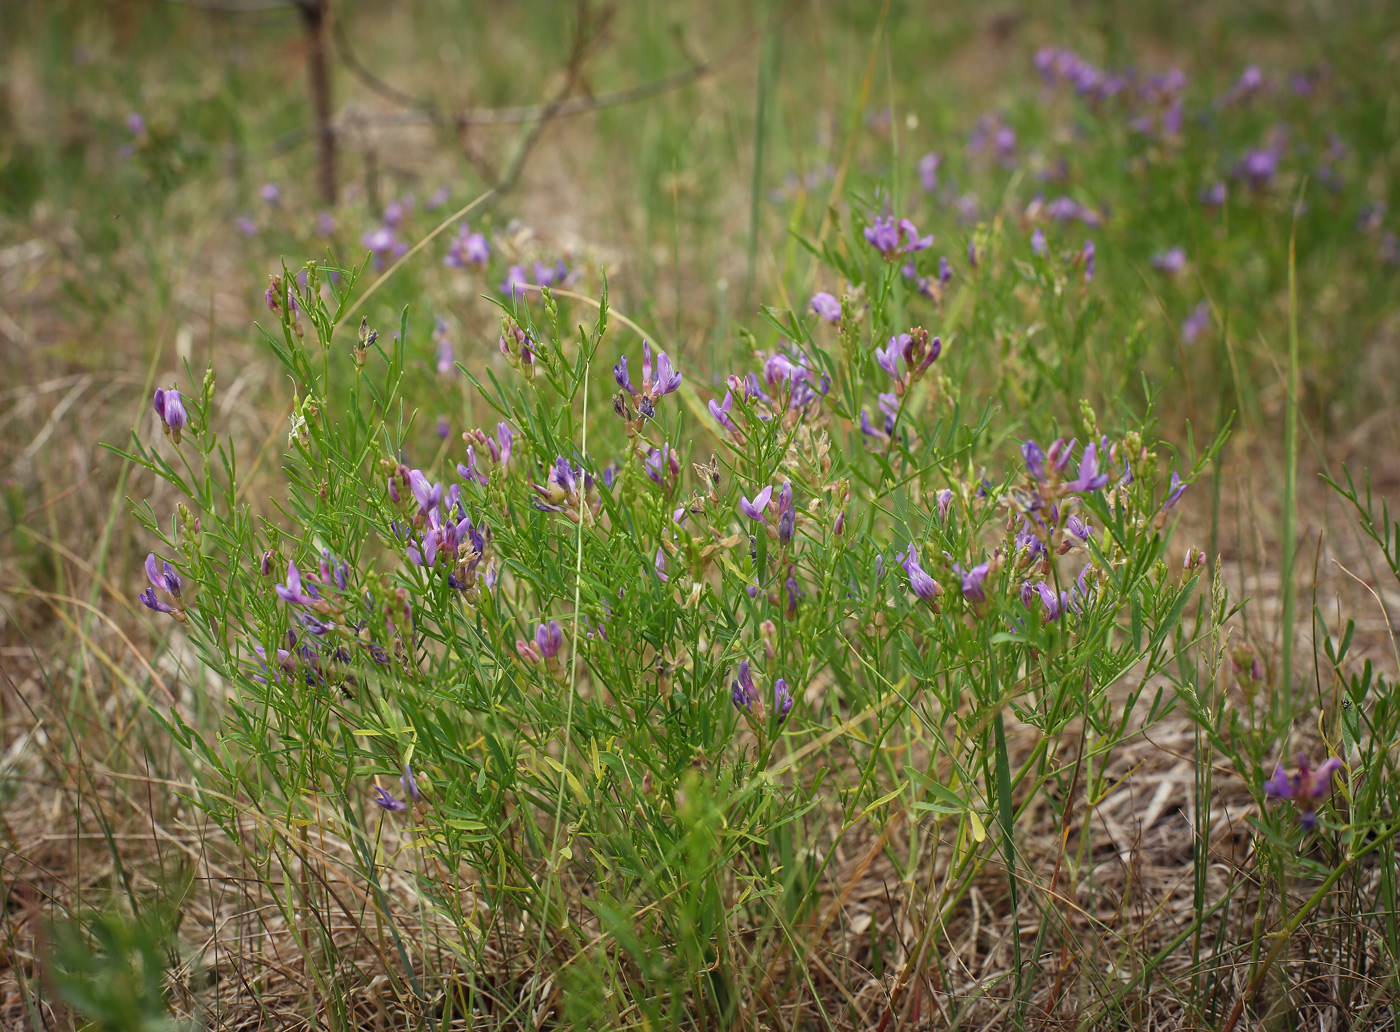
928, 171
410, 784
660, 564
945, 271
1090, 479
794, 593
756, 509
551, 275
827, 307
1053, 604
1178, 488
656, 383
924, 586
742, 691
564, 490
722, 417
1038, 242
1170, 261
1077, 534
1005, 143
271, 194
1257, 167
136, 124
388, 802
888, 357
782, 700
660, 462
171, 411
246, 226
513, 286
787, 523
549, 639
1213, 196
164, 579
972, 581
325, 223
1304, 787
427, 494
438, 198
919, 351
445, 358
468, 250
945, 500
383, 243
1197, 324
1035, 460
893, 240
291, 592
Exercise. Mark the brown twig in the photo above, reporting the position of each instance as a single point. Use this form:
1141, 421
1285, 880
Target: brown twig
314, 14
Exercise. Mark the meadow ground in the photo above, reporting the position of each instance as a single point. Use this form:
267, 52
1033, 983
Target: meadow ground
553, 726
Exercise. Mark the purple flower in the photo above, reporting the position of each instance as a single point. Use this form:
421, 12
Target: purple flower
660, 564
721, 413
1038, 241
660, 462
549, 639
246, 226
428, 494
561, 487
756, 509
1213, 196
945, 271
1304, 786
657, 382
924, 586
384, 244
388, 802
271, 193
888, 356
1090, 479
445, 357
742, 691
928, 171
513, 286
468, 250
1197, 324
1035, 460
945, 500
325, 223
150, 601
1005, 142
787, 523
827, 307
894, 239
162, 577
136, 124
410, 783
1077, 531
972, 581
291, 592
1178, 488
1258, 167
782, 700
171, 411
1170, 261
